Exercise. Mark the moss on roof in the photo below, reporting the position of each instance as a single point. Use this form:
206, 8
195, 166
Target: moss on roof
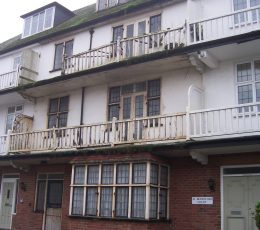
85, 16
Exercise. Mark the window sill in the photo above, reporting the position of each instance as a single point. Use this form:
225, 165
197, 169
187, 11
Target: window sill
55, 70
120, 219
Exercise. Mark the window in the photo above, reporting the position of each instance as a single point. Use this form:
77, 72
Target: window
16, 63
103, 4
128, 101
110, 188
62, 49
12, 112
38, 22
155, 26
118, 32
58, 112
49, 191
248, 83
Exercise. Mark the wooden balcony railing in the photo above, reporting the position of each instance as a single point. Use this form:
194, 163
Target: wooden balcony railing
123, 49
228, 25
9, 80
233, 120
141, 130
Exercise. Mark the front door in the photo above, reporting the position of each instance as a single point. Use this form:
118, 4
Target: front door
8, 195
53, 205
240, 197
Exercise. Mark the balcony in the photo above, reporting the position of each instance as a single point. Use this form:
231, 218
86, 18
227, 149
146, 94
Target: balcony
124, 49
9, 80
239, 22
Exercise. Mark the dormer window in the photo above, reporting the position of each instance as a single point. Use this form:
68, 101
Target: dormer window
39, 22
104, 4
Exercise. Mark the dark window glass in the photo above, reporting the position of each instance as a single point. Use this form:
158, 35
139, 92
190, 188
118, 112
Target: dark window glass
40, 199
106, 202
138, 202
118, 32
139, 106
245, 94
155, 24
113, 112
107, 174
114, 95
153, 107
122, 202
54, 196
127, 108
244, 72
139, 173
164, 176
91, 202
122, 176
154, 174
77, 204
153, 203
257, 68
163, 204
93, 174
65, 48
154, 88
79, 175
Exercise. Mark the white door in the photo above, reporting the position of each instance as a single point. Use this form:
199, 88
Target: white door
7, 201
240, 196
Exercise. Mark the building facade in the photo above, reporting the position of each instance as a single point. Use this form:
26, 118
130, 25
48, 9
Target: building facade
132, 114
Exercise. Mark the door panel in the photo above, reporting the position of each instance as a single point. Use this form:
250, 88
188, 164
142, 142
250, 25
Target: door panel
235, 203
254, 196
7, 205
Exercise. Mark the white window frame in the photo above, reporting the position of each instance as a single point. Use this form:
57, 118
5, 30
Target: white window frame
252, 82
15, 113
37, 14
147, 185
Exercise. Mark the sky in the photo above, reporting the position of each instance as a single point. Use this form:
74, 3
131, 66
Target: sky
10, 11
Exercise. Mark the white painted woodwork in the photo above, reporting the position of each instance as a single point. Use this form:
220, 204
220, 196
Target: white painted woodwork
53, 219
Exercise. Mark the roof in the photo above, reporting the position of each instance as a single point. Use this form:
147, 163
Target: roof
84, 17
47, 6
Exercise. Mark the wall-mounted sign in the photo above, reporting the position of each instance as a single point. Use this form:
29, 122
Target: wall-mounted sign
202, 200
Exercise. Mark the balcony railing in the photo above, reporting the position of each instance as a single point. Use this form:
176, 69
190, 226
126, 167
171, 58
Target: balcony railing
9, 80
236, 23
141, 130
233, 120
123, 49
3, 144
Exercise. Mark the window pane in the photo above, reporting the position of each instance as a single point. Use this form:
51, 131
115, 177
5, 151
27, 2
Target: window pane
48, 18
122, 176
114, 95
126, 89
58, 56
107, 174
118, 32
11, 109
35, 20
122, 202
138, 202
257, 70
63, 120
139, 173
19, 108
102, 4
244, 72
9, 122
54, 196
40, 196
52, 119
54, 105
69, 48
127, 108
77, 202
27, 24
164, 176
163, 203
153, 107
154, 88
79, 175
154, 174
245, 94
93, 173
140, 87
139, 106
91, 202
155, 24
257, 85
64, 104
106, 202
17, 62
153, 202
240, 4
113, 112
254, 3
141, 28
41, 21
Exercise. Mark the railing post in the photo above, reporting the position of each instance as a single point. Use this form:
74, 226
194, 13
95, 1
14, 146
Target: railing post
113, 131
63, 65
188, 123
187, 31
8, 142
54, 138
118, 49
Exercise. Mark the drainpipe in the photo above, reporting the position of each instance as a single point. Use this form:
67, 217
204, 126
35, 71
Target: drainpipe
81, 115
91, 31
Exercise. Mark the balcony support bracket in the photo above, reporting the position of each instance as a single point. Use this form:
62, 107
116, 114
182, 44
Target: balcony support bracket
198, 156
27, 97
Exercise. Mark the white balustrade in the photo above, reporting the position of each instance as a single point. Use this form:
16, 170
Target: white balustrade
228, 25
123, 49
8, 80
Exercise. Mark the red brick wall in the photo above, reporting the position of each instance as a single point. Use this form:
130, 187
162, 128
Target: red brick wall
188, 178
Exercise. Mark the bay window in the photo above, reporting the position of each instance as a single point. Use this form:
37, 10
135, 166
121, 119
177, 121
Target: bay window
120, 190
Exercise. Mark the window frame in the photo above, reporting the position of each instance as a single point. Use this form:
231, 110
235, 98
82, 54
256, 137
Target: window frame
107, 6
114, 187
251, 82
15, 114
30, 18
